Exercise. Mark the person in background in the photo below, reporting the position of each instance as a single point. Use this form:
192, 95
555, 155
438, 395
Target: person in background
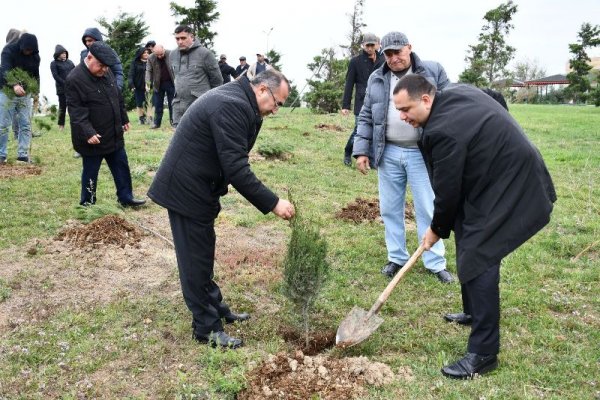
91, 35
137, 82
150, 46
242, 68
389, 144
359, 70
492, 189
159, 79
11, 37
98, 122
22, 54
259, 66
60, 68
208, 152
195, 69
227, 71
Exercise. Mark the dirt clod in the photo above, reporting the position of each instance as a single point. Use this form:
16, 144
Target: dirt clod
109, 229
364, 210
329, 127
300, 376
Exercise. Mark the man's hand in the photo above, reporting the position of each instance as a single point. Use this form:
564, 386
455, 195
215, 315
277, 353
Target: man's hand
94, 139
345, 111
127, 126
284, 209
429, 239
19, 91
362, 163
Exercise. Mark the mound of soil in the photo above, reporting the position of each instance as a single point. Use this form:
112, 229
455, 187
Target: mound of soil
362, 210
329, 127
14, 170
305, 377
109, 229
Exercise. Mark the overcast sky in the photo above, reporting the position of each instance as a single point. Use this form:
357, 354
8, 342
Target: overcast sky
439, 30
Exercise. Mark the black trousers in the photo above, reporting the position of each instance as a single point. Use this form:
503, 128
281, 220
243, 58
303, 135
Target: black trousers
119, 168
62, 109
195, 249
481, 299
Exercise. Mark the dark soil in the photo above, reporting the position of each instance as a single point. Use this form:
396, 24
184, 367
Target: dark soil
317, 342
364, 210
15, 170
109, 229
329, 127
300, 377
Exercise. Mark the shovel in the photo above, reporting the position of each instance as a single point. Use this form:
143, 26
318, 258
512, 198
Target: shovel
359, 324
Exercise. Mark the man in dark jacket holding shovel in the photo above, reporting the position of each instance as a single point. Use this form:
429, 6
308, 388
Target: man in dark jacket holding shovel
491, 188
208, 152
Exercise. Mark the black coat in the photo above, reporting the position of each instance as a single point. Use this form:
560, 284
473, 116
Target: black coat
209, 151
227, 71
60, 69
12, 57
95, 106
137, 72
359, 70
491, 185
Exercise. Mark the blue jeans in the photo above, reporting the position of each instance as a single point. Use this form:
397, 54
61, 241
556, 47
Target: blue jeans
18, 108
119, 168
158, 101
399, 166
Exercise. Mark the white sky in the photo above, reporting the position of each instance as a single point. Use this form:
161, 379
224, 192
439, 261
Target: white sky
439, 30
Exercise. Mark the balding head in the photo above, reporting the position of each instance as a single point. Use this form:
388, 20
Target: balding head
159, 50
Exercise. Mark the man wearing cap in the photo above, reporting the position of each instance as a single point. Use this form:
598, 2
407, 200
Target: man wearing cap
98, 121
227, 71
385, 142
242, 68
259, 66
22, 54
359, 70
195, 68
492, 189
159, 79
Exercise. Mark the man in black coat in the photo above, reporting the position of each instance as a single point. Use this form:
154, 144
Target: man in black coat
491, 188
208, 152
60, 68
98, 121
227, 71
357, 76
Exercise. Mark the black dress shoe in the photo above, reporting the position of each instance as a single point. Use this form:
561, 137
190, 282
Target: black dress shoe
233, 317
390, 269
133, 203
220, 338
444, 276
459, 318
470, 365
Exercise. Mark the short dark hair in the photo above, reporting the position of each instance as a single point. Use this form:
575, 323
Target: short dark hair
271, 78
184, 28
415, 86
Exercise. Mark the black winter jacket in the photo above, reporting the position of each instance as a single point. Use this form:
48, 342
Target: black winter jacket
359, 70
491, 185
95, 106
60, 69
227, 71
12, 57
209, 151
137, 71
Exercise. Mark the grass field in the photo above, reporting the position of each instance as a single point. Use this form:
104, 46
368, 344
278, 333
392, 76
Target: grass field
84, 325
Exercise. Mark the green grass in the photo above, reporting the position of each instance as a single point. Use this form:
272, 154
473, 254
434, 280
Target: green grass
550, 299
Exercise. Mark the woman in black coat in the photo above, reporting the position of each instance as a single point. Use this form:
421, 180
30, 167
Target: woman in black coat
60, 68
137, 83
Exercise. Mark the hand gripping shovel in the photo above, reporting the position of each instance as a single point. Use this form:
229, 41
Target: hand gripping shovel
359, 324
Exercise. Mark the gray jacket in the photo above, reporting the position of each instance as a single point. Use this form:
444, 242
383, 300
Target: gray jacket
196, 71
153, 69
372, 120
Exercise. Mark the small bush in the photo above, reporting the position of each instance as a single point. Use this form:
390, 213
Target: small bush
274, 150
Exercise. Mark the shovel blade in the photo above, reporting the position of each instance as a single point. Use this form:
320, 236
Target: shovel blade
356, 327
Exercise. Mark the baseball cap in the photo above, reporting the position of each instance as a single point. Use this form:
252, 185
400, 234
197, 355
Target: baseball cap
223, 57
370, 38
393, 41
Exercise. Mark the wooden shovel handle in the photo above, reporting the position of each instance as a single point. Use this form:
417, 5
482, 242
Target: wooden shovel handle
388, 290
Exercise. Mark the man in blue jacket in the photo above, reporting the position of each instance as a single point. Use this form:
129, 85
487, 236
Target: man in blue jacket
22, 54
389, 144
359, 70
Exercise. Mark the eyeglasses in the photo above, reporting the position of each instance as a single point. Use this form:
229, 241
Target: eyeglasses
277, 103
